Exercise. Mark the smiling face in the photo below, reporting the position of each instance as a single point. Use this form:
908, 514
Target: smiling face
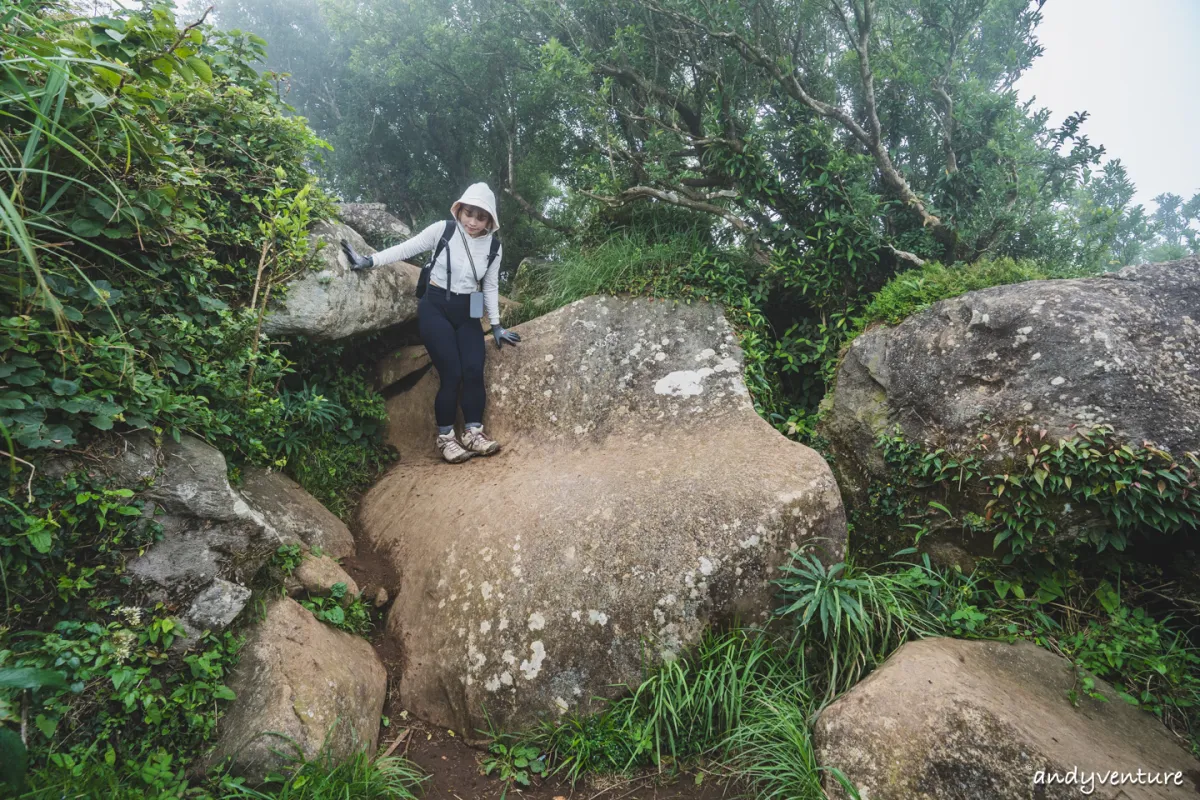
476, 221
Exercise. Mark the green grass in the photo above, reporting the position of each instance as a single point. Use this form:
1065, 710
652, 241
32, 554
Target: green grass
622, 263
918, 289
161, 777
359, 778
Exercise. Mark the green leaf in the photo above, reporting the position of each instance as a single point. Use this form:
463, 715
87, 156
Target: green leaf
202, 70
41, 539
46, 725
88, 228
13, 760
29, 678
64, 388
224, 693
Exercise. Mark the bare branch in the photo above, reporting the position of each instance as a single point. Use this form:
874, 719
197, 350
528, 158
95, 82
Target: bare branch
676, 199
871, 139
904, 255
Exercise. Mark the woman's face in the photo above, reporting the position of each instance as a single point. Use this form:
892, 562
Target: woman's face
474, 219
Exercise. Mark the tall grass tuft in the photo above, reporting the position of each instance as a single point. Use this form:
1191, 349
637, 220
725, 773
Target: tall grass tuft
358, 778
849, 620
625, 262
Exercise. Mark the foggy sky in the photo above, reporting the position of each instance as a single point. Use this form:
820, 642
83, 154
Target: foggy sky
1135, 65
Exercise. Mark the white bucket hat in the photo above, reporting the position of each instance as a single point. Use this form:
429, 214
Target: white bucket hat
480, 196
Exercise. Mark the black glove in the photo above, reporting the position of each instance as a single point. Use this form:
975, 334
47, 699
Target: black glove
356, 261
503, 336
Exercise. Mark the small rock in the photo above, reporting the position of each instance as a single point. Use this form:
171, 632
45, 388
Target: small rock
214, 608
317, 575
381, 597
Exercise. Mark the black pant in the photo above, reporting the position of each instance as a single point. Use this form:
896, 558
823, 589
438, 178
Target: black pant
455, 344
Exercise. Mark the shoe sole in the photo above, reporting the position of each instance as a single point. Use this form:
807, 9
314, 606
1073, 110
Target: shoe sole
467, 456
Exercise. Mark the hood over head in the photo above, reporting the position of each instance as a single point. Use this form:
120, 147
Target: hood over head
480, 196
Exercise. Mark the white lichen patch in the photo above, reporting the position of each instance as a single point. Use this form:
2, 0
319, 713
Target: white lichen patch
536, 621
493, 684
706, 566
561, 705
597, 617
485, 626
683, 383
537, 654
503, 623
485, 589
706, 354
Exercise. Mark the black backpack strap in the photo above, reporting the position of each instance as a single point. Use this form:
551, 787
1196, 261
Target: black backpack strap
447, 232
495, 251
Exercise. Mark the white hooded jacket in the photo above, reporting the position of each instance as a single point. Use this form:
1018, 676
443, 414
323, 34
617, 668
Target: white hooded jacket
454, 258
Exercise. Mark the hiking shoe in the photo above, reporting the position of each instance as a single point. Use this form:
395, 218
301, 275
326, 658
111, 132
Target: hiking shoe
475, 440
451, 450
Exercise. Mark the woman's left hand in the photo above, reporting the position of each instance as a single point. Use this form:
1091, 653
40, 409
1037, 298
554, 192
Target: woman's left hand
505, 336
357, 262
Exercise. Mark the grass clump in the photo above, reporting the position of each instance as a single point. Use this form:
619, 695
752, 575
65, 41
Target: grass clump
917, 289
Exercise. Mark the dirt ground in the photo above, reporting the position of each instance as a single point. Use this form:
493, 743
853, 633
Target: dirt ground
454, 766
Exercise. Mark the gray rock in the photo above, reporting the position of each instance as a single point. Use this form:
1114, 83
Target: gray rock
301, 687
215, 607
194, 481
378, 227
945, 719
1121, 350
334, 302
295, 513
194, 551
638, 500
209, 531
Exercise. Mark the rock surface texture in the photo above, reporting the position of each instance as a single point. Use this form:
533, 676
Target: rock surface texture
945, 719
379, 227
638, 500
301, 686
1121, 350
295, 512
212, 542
334, 302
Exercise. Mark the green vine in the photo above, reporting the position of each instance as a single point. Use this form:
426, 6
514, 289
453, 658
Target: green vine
1091, 489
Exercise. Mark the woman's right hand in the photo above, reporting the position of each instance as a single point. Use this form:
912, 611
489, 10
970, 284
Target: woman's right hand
357, 262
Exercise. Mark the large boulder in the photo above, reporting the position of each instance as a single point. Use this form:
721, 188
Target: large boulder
1121, 350
333, 301
303, 688
638, 501
945, 719
379, 227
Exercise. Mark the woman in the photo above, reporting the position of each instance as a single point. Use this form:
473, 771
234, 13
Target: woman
453, 337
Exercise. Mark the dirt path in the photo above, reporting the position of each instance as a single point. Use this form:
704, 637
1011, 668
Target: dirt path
454, 766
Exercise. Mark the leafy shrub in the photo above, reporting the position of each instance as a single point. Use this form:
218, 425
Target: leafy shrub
353, 616
1132, 489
